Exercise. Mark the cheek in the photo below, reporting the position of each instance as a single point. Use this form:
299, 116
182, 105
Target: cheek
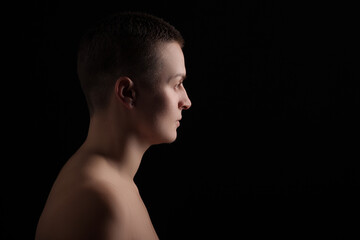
166, 107
164, 114
157, 116
157, 108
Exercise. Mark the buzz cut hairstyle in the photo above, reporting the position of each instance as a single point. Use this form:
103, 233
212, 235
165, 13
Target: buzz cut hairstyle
123, 44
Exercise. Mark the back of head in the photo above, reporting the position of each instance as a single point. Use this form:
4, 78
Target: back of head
123, 44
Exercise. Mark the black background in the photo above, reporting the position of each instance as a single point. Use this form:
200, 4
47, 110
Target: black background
268, 149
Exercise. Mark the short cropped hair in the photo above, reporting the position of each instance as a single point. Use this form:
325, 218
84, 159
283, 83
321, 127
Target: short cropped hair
123, 44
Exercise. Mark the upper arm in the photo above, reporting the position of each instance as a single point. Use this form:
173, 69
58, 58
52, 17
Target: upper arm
90, 214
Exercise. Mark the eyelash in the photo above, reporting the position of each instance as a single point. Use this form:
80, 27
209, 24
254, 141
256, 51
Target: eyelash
179, 84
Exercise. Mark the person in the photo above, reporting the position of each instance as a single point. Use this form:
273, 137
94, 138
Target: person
131, 69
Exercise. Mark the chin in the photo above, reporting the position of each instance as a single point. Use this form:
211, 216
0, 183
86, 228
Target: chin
172, 139
167, 138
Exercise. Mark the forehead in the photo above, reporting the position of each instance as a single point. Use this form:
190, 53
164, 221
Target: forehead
171, 59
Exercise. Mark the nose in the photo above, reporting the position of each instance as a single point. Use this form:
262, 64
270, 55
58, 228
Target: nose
184, 103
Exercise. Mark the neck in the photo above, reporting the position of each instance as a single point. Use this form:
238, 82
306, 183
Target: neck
115, 143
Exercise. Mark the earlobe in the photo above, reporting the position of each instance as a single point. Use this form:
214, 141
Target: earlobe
125, 91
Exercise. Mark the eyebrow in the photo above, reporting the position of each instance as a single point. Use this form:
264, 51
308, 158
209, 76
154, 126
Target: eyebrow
183, 76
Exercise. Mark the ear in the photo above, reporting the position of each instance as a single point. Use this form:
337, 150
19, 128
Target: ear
125, 92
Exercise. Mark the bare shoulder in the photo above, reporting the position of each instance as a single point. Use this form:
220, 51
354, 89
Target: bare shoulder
84, 207
91, 200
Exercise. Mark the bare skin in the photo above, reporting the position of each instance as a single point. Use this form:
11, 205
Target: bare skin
94, 196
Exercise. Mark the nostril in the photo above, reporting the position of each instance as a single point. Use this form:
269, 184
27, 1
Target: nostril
186, 106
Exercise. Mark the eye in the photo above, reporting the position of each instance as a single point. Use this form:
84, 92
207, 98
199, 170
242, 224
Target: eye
178, 85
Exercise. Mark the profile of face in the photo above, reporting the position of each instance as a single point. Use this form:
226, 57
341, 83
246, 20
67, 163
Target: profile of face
159, 109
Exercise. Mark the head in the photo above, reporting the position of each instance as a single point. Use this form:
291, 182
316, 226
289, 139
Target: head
133, 63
